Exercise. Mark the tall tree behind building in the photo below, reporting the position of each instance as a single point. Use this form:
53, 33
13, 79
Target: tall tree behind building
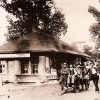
95, 30
38, 15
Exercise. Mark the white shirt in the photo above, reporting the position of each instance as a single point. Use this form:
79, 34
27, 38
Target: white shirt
93, 71
88, 67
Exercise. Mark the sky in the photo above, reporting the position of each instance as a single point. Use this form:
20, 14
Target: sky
77, 17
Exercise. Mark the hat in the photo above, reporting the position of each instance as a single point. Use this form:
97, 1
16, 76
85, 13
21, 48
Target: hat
64, 64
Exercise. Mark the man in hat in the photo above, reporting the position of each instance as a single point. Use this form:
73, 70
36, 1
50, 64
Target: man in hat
78, 76
64, 76
93, 74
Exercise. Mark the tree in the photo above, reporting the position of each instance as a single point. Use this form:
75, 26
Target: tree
39, 15
95, 29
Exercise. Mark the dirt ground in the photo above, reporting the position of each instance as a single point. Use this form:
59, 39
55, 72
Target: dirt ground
45, 92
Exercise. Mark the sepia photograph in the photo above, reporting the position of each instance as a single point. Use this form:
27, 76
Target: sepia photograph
49, 49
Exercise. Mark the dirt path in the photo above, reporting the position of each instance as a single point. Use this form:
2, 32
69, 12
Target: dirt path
49, 92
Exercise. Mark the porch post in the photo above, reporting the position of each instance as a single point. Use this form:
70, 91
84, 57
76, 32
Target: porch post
47, 65
41, 65
6, 69
17, 67
30, 68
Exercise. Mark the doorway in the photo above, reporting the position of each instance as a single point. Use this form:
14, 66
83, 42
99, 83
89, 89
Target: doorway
11, 74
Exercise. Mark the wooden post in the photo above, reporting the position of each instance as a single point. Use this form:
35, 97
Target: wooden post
17, 67
41, 65
30, 68
1, 81
47, 65
17, 70
6, 69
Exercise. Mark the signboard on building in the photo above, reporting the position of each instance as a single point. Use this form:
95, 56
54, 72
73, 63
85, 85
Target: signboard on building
17, 55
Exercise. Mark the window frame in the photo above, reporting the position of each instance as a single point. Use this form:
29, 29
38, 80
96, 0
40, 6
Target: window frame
24, 65
34, 65
2, 69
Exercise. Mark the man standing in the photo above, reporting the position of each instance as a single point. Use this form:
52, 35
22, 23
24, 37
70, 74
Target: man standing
64, 76
78, 76
93, 74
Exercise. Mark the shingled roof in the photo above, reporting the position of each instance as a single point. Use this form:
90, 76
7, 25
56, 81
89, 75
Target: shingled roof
38, 42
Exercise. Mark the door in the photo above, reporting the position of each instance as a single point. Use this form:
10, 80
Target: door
11, 74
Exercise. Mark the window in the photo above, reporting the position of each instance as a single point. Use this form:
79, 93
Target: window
35, 61
35, 68
24, 66
2, 68
25, 70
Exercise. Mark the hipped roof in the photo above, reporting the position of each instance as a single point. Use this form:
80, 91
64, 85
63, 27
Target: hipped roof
38, 42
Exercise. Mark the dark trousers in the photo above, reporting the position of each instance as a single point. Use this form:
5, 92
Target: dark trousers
63, 81
95, 79
77, 81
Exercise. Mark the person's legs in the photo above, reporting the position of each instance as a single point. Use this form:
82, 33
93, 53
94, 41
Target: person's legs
65, 80
95, 81
87, 83
61, 81
73, 81
64, 84
83, 84
96, 85
77, 82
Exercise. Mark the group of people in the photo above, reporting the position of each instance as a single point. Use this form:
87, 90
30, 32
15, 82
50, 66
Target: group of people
78, 77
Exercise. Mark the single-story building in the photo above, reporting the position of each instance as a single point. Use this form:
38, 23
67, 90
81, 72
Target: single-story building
35, 58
